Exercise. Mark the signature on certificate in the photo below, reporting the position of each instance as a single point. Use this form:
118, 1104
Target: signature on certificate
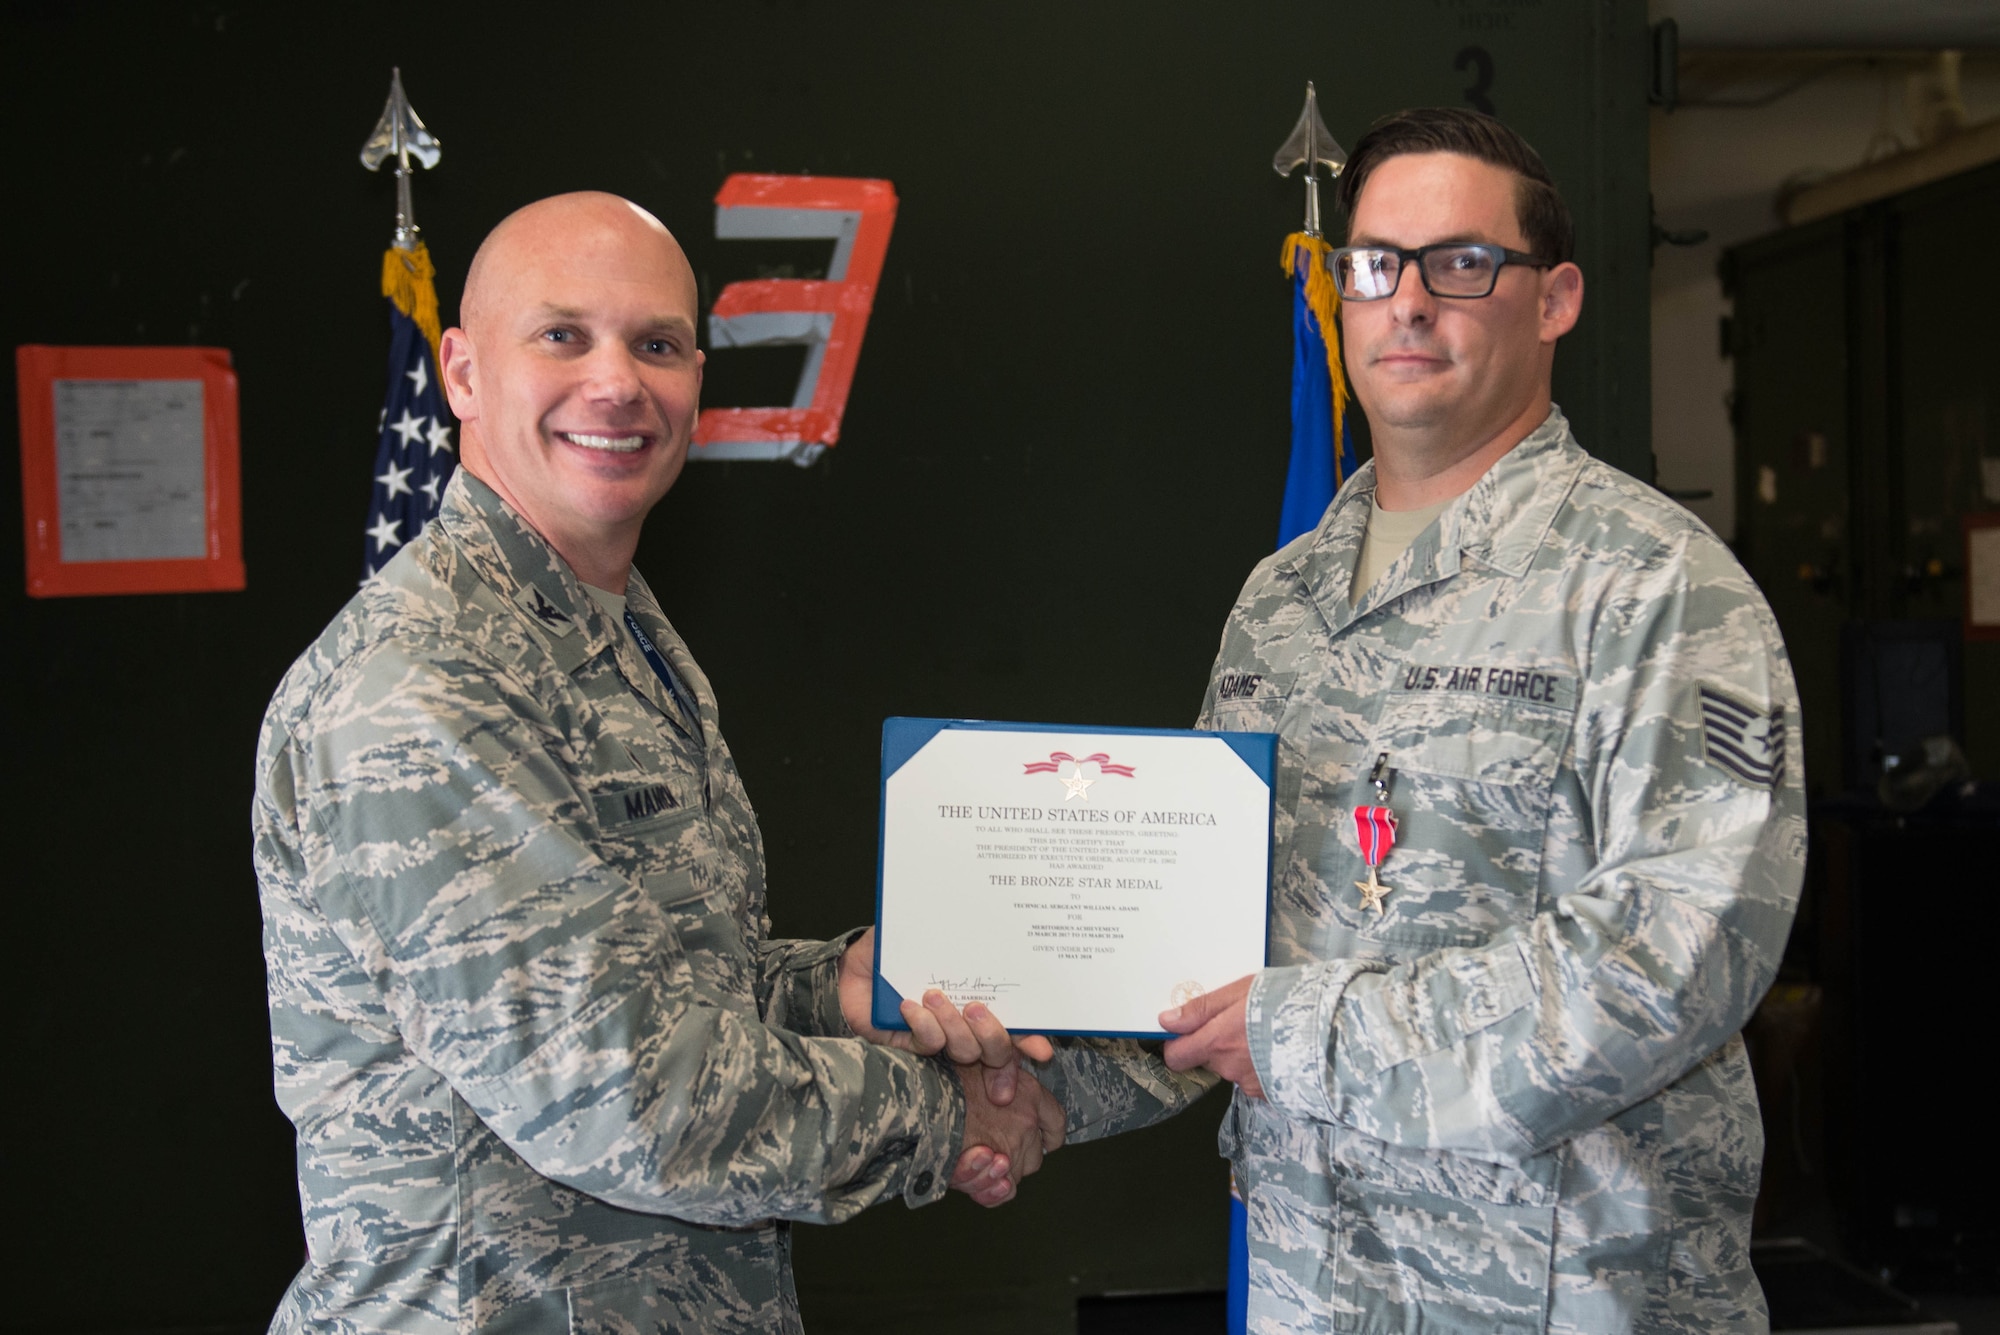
977, 987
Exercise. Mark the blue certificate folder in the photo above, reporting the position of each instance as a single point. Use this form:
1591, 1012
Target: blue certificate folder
902, 738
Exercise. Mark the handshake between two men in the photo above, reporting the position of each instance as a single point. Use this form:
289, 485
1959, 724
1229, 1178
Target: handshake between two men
1011, 1121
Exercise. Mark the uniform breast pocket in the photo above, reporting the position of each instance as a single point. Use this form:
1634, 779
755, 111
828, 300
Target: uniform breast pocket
1245, 716
668, 847
1250, 702
1257, 702
1471, 784
700, 902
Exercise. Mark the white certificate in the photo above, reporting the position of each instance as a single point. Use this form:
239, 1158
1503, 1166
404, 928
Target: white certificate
1077, 881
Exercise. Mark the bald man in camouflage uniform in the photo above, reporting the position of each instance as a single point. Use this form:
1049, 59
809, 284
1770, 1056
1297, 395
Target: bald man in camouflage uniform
1507, 1094
546, 1068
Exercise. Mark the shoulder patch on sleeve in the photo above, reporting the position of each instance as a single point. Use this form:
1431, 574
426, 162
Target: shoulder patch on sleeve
1743, 740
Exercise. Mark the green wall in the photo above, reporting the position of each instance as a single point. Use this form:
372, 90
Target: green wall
1064, 449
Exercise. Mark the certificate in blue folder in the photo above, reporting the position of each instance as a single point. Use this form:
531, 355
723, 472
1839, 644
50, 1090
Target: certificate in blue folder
1075, 880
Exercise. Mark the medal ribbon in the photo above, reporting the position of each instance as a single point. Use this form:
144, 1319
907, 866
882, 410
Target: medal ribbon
1375, 828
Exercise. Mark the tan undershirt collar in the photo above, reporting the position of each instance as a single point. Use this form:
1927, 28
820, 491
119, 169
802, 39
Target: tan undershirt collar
612, 603
1389, 535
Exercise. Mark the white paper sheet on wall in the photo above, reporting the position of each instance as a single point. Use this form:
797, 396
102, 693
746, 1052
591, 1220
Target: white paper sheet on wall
129, 469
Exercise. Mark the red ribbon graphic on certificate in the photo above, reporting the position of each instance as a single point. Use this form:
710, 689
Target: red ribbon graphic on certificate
1076, 788
1058, 758
1375, 829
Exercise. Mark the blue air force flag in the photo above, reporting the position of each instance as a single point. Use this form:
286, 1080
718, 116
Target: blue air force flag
414, 452
1322, 439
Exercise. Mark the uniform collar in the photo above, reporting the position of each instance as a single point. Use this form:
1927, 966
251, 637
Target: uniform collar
534, 580
1498, 522
521, 566
1324, 561
1502, 520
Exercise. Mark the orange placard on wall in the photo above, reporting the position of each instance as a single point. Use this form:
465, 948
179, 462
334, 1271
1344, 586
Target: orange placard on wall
129, 470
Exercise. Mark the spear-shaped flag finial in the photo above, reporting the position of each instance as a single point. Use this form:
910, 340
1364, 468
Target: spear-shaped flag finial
1309, 145
1322, 448
400, 135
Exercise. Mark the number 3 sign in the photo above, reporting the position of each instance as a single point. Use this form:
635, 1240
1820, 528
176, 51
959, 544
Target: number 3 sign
828, 315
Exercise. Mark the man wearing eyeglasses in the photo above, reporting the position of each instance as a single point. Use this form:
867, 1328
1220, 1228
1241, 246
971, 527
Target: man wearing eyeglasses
1540, 822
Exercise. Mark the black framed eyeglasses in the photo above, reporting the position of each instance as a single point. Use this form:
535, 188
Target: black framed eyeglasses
1449, 269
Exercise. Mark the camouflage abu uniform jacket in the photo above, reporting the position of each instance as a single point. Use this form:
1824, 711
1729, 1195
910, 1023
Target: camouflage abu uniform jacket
1515, 1099
546, 1071
522, 1004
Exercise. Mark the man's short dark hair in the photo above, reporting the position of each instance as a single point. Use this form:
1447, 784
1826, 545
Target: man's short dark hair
1544, 218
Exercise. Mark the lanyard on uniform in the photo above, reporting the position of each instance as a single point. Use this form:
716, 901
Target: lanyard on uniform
659, 663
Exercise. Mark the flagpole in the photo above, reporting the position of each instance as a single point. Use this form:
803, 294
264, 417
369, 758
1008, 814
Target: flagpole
414, 455
1321, 460
1322, 449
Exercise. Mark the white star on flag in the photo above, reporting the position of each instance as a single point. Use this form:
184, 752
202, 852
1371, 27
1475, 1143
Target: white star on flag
414, 454
397, 480
408, 427
384, 533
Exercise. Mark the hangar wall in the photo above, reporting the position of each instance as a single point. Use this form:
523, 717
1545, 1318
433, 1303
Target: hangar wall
1064, 449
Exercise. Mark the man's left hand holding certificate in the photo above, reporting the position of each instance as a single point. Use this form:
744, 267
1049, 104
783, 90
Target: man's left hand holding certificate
1072, 880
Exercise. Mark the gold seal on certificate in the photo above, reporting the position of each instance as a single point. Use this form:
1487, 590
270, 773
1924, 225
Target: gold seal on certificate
1076, 880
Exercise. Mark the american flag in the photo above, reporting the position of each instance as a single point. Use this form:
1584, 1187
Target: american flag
414, 452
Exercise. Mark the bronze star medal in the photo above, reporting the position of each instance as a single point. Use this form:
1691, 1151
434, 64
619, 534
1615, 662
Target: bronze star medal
1372, 893
1375, 831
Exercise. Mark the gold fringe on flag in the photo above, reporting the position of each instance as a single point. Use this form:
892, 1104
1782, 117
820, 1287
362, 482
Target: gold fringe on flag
1323, 299
409, 280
